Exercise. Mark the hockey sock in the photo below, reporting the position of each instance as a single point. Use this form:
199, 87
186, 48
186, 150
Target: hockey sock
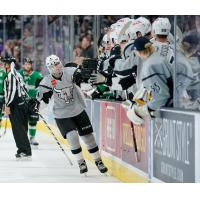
91, 145
32, 131
73, 140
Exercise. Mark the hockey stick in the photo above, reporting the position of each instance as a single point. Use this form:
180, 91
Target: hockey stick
13, 71
135, 143
134, 137
55, 138
5, 128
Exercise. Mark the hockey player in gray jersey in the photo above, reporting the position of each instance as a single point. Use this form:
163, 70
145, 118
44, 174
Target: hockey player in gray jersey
161, 29
156, 80
69, 111
186, 85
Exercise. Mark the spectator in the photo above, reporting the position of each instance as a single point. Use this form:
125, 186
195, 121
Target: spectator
87, 48
77, 55
27, 42
77, 51
8, 48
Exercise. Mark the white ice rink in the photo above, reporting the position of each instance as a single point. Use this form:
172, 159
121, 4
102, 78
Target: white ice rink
48, 164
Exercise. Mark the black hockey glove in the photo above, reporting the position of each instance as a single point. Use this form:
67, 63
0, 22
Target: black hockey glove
33, 106
47, 96
77, 77
115, 54
128, 81
90, 63
71, 64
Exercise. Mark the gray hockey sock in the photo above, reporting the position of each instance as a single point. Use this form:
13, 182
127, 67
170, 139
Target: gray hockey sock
91, 145
73, 140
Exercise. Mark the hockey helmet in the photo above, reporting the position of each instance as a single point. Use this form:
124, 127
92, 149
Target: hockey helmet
28, 60
54, 65
161, 26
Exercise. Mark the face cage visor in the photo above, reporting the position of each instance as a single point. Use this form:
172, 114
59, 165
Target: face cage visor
56, 69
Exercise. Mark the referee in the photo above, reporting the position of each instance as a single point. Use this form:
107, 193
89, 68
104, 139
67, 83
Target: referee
17, 109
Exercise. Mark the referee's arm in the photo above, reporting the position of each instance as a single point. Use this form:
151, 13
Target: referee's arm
10, 88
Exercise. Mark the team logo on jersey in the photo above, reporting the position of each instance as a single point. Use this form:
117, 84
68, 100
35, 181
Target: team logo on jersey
155, 88
65, 94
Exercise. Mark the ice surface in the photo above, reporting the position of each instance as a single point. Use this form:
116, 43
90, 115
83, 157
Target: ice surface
48, 164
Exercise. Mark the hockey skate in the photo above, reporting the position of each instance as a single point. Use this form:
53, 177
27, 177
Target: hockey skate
23, 157
101, 167
83, 167
33, 141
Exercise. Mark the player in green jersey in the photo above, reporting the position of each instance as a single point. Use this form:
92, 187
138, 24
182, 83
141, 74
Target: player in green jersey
2, 78
32, 79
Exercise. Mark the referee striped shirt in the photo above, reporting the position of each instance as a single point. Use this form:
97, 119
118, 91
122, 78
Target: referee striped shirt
12, 88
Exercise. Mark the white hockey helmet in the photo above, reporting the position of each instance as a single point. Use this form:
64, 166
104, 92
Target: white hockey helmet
54, 65
123, 21
114, 32
135, 27
106, 39
114, 26
123, 35
146, 24
161, 26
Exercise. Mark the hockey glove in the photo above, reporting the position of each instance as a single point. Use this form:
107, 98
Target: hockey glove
115, 54
33, 106
90, 63
47, 96
142, 96
71, 64
137, 114
77, 77
131, 113
97, 79
128, 81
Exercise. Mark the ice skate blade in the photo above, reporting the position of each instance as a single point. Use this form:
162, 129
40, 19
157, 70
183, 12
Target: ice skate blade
34, 146
24, 159
105, 174
85, 174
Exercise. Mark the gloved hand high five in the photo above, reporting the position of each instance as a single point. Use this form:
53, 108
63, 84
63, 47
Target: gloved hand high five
98, 78
128, 81
90, 63
77, 77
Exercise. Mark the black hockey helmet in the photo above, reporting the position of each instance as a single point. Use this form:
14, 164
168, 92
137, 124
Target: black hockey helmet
28, 60
8, 59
